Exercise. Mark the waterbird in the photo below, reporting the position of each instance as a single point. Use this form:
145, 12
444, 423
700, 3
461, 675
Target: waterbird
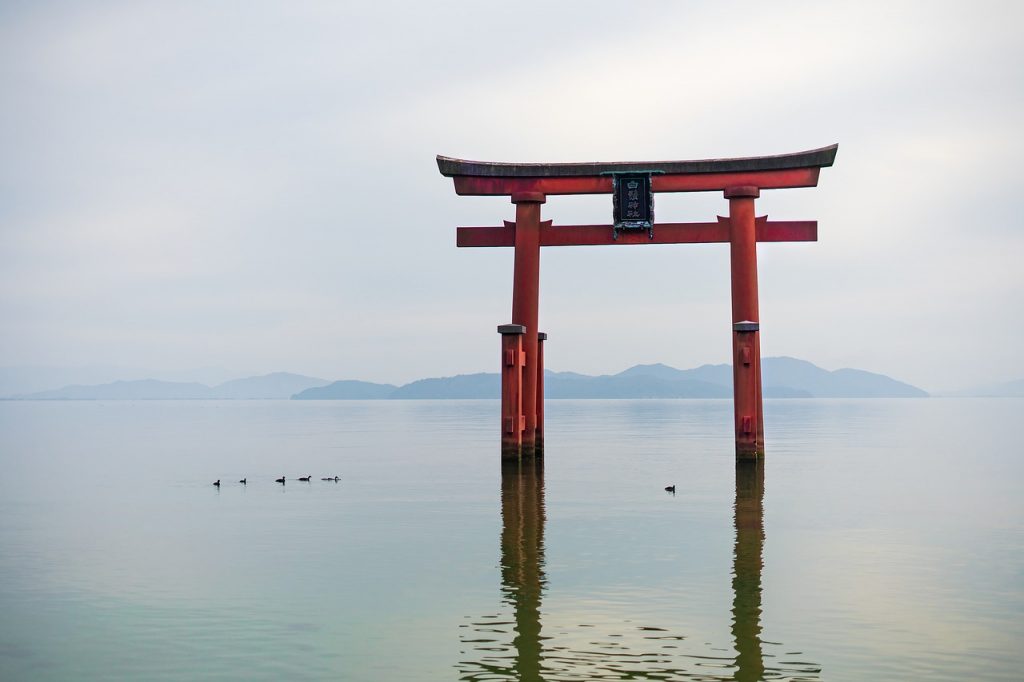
279, 480
305, 478
671, 488
242, 481
216, 483
335, 479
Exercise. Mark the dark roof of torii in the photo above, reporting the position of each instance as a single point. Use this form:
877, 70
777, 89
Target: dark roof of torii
814, 158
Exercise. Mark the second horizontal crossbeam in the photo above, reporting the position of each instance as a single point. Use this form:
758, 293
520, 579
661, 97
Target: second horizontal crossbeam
663, 233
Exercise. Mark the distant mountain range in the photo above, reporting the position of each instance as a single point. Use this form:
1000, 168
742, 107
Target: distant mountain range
25, 379
279, 385
782, 378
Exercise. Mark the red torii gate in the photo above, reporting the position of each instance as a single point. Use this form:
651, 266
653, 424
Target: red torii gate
633, 185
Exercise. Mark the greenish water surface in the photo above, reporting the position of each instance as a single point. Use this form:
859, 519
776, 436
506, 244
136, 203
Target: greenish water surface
882, 539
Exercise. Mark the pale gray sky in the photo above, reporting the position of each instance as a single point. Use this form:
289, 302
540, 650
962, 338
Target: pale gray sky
253, 186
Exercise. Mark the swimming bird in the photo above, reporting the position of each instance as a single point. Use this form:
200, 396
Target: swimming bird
216, 483
671, 488
335, 479
279, 480
305, 478
242, 481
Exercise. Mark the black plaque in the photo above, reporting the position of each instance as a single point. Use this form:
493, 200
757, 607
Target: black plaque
633, 202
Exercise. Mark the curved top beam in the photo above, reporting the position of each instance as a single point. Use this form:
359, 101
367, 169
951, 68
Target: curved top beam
814, 158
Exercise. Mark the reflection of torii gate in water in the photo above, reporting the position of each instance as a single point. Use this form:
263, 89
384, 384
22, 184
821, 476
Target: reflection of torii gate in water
633, 185
639, 651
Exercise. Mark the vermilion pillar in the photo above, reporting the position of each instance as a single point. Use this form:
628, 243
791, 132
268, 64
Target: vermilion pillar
512, 420
525, 301
539, 445
746, 342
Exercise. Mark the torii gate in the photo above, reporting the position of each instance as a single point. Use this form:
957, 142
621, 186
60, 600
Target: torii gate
633, 185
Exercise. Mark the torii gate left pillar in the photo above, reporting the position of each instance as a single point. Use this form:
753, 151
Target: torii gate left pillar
526, 307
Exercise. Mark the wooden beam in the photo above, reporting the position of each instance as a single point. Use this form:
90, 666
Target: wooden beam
664, 233
468, 185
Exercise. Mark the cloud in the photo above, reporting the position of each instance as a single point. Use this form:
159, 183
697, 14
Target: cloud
230, 172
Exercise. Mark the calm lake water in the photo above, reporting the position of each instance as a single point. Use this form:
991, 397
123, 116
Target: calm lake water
883, 539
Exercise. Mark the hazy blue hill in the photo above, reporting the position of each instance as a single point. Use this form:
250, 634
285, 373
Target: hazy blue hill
793, 372
783, 377
658, 371
856, 383
143, 389
279, 385
347, 390
565, 375
842, 383
631, 386
562, 385
717, 374
25, 379
481, 385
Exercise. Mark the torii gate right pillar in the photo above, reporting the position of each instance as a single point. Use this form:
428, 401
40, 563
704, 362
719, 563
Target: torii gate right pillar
746, 335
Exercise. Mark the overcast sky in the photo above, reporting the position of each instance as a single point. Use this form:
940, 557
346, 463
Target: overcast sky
252, 185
